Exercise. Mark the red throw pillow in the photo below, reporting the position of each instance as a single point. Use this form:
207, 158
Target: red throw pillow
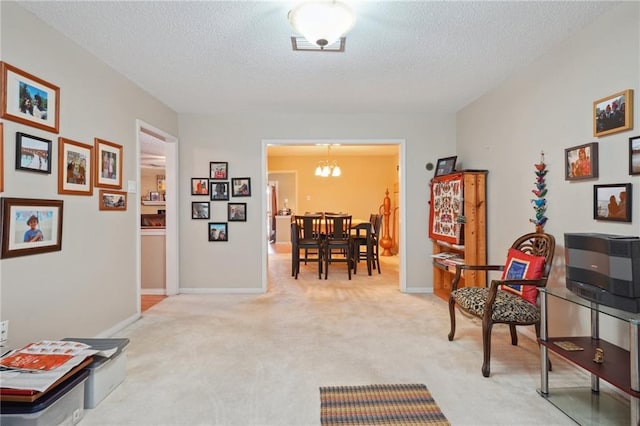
522, 265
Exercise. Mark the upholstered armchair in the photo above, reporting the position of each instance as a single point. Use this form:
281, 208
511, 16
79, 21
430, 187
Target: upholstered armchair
510, 300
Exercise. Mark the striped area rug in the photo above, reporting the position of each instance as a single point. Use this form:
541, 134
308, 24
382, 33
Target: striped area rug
379, 405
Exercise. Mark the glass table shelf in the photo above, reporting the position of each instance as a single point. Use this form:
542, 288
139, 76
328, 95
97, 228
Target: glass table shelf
621, 367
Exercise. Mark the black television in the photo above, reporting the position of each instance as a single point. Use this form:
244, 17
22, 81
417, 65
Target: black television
604, 269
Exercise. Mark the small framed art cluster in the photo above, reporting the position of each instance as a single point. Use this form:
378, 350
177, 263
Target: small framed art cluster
611, 114
219, 187
31, 101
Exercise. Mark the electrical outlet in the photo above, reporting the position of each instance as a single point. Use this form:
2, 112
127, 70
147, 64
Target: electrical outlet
4, 331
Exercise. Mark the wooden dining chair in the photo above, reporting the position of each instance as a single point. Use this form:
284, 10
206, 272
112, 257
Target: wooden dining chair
337, 241
306, 237
362, 243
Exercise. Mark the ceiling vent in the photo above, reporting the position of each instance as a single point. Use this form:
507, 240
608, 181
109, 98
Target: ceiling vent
302, 45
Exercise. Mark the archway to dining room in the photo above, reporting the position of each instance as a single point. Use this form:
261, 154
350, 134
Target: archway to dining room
371, 170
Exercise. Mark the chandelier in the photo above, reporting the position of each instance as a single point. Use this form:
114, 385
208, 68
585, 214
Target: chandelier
326, 168
321, 22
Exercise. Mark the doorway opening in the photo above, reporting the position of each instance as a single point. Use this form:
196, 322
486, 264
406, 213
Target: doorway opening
396, 191
163, 156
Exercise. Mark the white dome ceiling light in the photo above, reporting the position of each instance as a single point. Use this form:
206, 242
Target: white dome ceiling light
322, 22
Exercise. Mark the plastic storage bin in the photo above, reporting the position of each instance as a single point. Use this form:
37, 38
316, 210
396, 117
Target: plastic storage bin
62, 405
105, 374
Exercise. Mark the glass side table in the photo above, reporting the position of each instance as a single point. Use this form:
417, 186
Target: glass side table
620, 368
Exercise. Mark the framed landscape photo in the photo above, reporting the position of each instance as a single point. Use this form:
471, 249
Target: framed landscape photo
613, 113
634, 155
241, 187
218, 231
199, 186
447, 165
1, 158
75, 160
581, 162
30, 226
237, 212
219, 191
219, 170
108, 164
154, 196
199, 210
33, 153
112, 200
612, 202
28, 99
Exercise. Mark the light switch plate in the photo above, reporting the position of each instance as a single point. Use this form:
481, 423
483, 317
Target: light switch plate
4, 330
132, 188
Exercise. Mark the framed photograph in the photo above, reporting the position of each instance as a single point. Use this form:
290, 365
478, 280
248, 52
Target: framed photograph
199, 186
634, 155
30, 226
28, 99
161, 183
108, 164
219, 170
581, 162
75, 160
1, 158
218, 231
154, 196
241, 187
112, 200
612, 202
613, 114
446, 165
33, 153
219, 191
199, 210
237, 212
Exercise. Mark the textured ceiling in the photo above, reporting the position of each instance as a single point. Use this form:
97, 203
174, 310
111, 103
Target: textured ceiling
236, 56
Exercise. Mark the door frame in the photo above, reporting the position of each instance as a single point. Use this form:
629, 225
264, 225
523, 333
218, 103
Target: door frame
401, 180
171, 206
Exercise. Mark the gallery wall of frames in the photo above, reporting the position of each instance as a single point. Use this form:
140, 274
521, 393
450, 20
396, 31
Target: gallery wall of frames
219, 188
32, 226
611, 114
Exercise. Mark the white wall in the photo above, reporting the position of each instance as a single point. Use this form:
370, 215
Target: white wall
90, 287
215, 267
548, 107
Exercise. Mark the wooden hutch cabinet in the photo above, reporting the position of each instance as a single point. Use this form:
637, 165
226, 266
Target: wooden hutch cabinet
458, 228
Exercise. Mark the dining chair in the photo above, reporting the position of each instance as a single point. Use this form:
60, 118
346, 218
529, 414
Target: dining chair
364, 239
375, 242
337, 230
306, 234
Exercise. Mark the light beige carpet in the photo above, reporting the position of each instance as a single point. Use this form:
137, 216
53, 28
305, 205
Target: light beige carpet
243, 359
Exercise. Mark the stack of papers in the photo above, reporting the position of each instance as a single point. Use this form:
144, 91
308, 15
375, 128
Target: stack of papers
38, 366
450, 259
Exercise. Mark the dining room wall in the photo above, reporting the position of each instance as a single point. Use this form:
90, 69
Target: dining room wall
359, 190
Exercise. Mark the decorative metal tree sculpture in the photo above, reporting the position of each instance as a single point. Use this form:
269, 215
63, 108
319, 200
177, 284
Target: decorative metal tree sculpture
540, 203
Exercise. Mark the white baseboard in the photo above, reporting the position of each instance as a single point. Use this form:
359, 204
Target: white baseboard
153, 292
221, 291
119, 326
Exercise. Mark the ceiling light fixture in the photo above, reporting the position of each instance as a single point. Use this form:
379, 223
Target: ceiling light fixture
321, 22
326, 168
